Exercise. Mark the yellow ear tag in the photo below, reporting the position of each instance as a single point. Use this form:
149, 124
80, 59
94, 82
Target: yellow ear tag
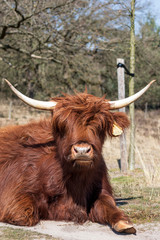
117, 130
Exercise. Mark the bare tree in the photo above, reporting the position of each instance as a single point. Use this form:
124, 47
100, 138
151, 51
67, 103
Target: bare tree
65, 38
131, 87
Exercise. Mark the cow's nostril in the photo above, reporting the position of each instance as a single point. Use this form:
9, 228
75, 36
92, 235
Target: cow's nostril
88, 150
75, 149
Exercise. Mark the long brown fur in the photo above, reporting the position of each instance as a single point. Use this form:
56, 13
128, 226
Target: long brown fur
37, 180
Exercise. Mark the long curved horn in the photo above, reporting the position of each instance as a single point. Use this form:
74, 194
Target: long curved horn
43, 105
126, 101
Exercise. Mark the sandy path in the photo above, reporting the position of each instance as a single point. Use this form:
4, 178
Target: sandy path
91, 231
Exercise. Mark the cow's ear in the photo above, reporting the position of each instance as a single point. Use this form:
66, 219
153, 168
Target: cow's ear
121, 122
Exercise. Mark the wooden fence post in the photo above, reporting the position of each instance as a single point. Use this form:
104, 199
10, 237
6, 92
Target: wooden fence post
121, 95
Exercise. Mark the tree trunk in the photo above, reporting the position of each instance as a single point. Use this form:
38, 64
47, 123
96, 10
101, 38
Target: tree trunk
131, 88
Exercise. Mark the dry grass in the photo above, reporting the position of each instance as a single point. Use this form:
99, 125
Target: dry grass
19, 114
138, 191
147, 147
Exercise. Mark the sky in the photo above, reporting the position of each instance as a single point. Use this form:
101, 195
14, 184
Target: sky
154, 8
150, 6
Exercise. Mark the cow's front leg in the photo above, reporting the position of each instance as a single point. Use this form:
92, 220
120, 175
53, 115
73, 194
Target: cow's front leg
105, 211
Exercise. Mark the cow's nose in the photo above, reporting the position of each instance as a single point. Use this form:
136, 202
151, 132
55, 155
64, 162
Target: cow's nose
82, 150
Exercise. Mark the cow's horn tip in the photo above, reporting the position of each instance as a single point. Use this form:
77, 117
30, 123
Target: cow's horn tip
4, 79
152, 81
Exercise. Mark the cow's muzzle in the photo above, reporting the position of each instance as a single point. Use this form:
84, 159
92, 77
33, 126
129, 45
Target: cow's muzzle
82, 154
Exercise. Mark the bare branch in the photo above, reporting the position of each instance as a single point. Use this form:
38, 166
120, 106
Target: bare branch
23, 18
20, 50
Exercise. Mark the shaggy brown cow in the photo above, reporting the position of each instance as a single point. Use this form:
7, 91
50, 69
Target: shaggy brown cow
53, 169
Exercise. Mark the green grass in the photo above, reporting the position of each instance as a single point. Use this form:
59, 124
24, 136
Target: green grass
122, 179
7, 233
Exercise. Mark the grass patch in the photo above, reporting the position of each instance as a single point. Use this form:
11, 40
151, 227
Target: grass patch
7, 233
139, 202
122, 179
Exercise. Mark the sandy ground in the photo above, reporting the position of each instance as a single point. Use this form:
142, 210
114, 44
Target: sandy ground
90, 231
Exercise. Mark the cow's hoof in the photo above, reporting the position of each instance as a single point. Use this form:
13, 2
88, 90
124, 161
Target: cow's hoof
124, 227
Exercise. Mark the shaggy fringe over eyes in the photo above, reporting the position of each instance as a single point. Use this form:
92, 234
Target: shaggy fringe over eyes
86, 110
